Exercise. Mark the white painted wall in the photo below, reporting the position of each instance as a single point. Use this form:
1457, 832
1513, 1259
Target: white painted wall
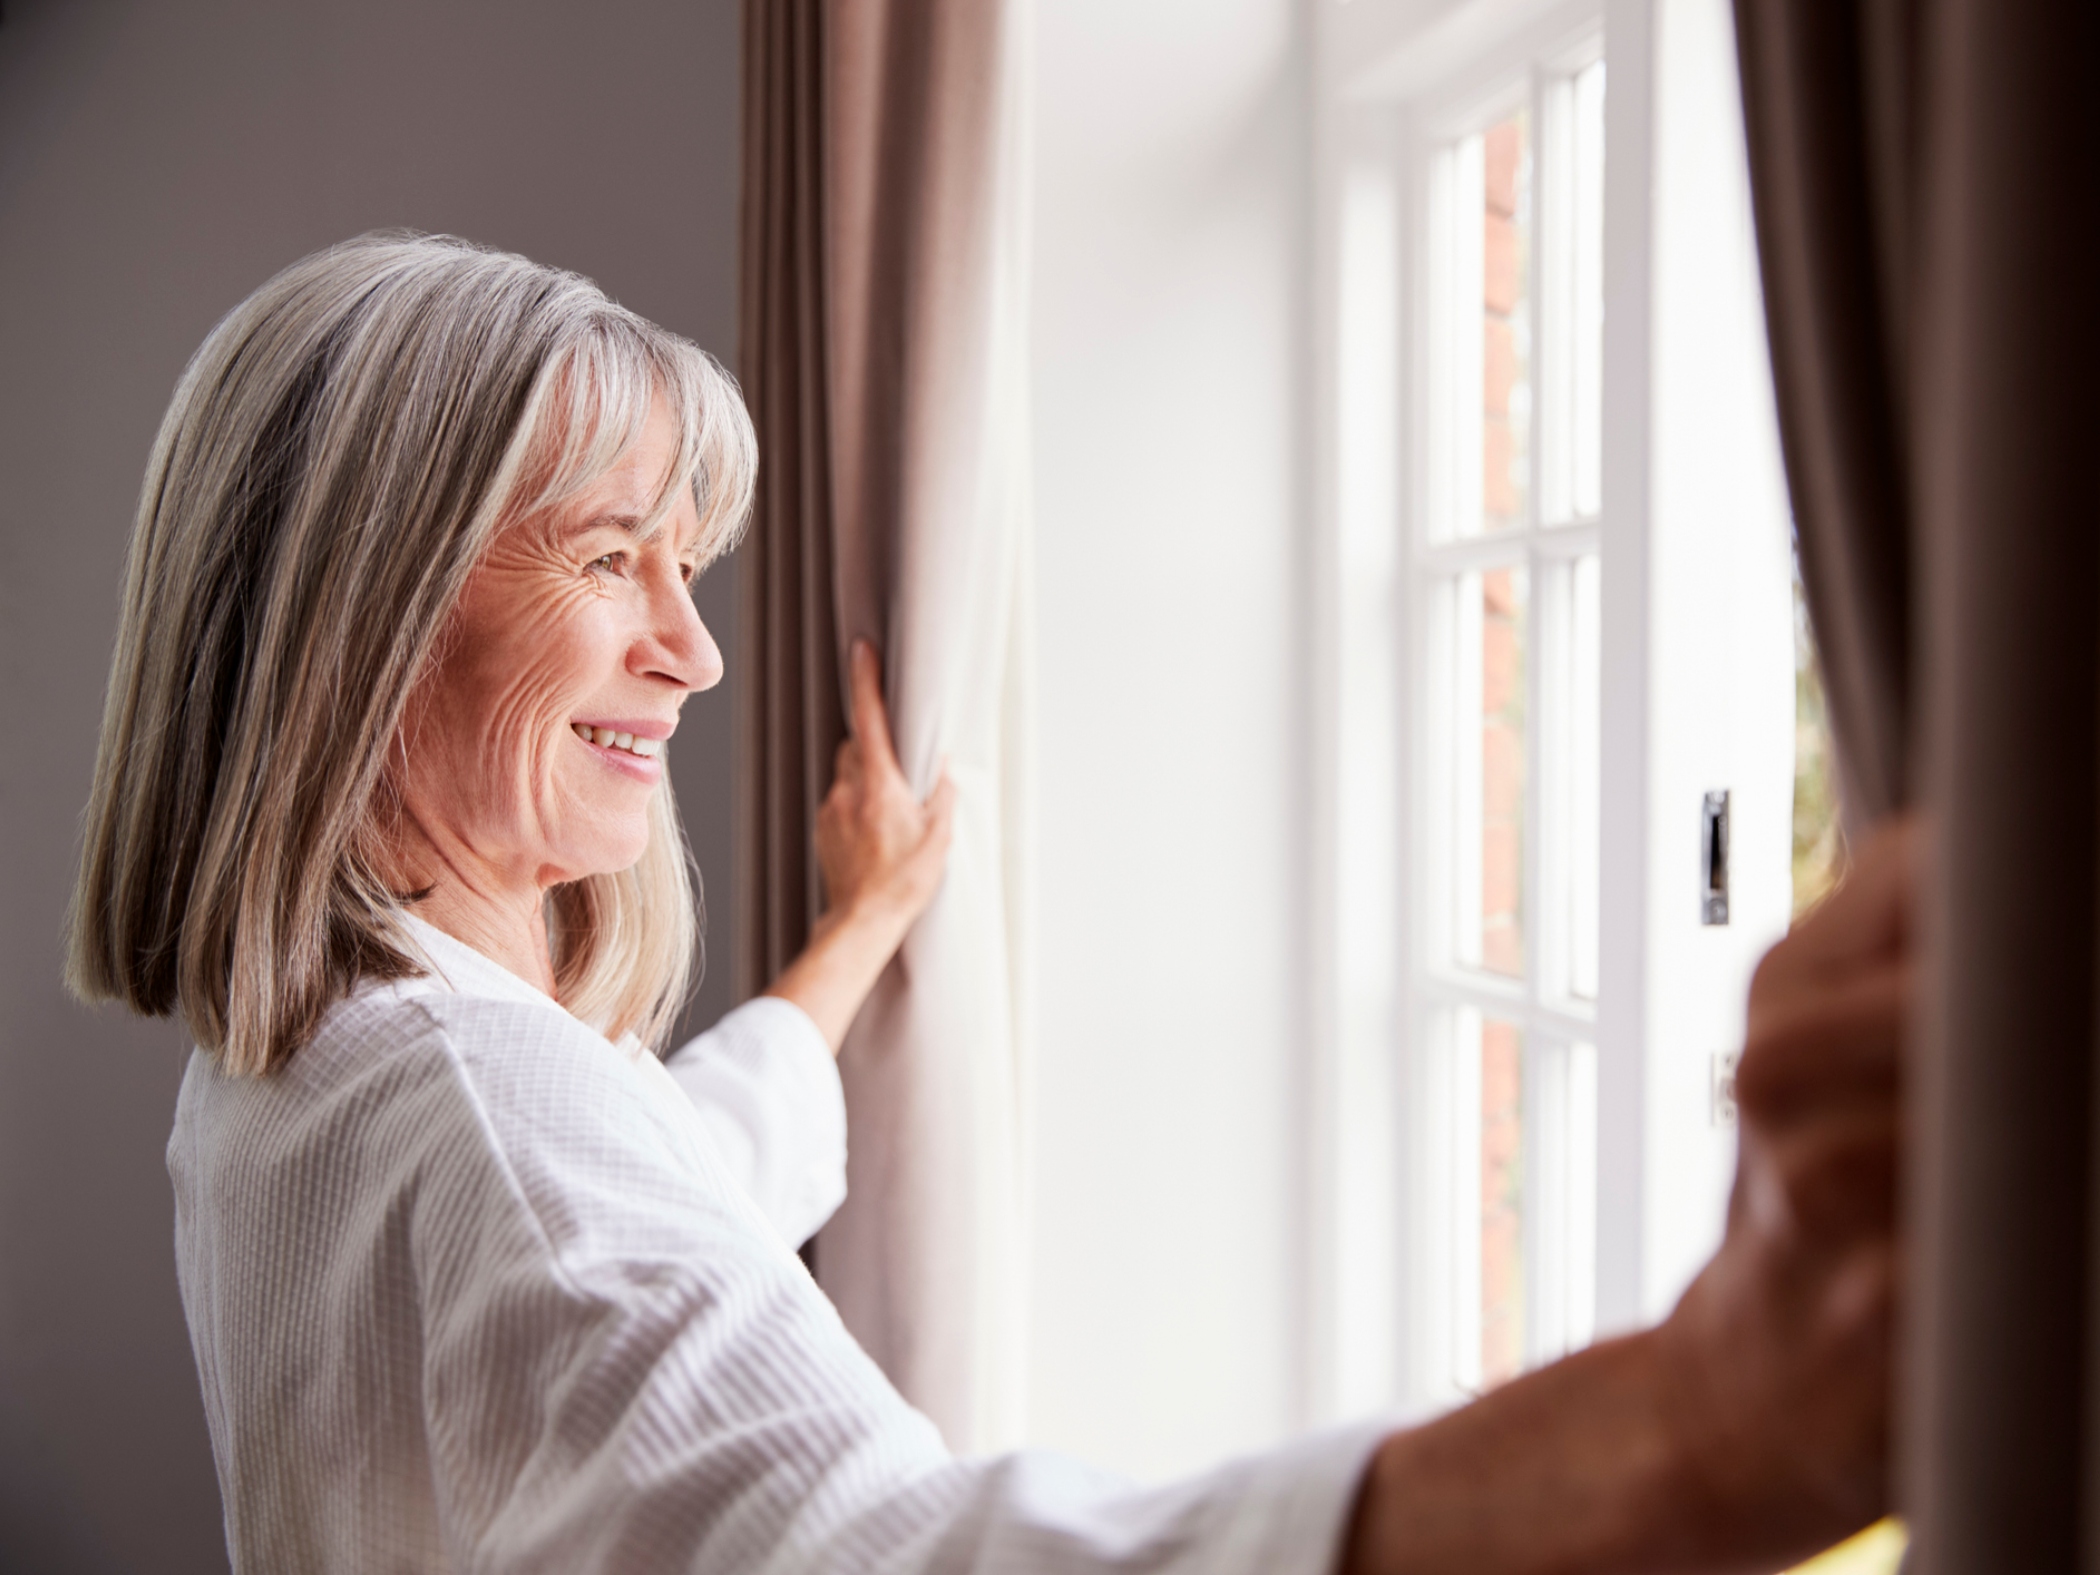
1172, 212
159, 159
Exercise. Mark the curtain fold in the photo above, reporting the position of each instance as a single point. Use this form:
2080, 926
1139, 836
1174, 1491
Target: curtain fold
790, 716
1826, 90
886, 163
1924, 181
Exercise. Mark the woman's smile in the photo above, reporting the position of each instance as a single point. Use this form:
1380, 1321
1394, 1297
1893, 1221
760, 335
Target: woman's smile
632, 747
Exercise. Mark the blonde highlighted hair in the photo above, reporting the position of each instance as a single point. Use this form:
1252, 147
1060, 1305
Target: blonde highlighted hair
337, 456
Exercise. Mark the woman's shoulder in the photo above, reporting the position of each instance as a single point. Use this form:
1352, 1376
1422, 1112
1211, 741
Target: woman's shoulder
407, 1065
473, 1104
592, 1140
522, 1069
535, 1072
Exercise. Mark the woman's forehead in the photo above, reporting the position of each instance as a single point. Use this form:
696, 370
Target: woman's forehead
631, 495
646, 463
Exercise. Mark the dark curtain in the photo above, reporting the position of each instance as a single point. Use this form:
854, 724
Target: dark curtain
790, 720
1924, 173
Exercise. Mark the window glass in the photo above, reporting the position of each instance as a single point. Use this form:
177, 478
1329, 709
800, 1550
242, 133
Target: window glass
1580, 803
1505, 324
1502, 1279
1561, 1118
1586, 136
1497, 932
1509, 731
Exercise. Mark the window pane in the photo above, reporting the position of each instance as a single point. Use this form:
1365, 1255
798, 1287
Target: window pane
1584, 733
1523, 1205
1505, 308
1569, 265
1563, 1199
1501, 1201
1588, 277
1493, 623
1563, 945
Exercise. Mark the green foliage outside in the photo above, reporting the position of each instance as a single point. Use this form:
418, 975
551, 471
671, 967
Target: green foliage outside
1819, 842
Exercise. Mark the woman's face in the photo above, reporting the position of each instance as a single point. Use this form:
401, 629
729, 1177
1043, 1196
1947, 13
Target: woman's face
569, 626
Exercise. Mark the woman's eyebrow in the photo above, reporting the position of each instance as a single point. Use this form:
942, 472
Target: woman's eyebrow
584, 524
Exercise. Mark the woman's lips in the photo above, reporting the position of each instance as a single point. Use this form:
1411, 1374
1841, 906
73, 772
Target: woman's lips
644, 739
623, 750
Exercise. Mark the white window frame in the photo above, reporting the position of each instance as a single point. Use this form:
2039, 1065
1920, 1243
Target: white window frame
1380, 1260
1442, 988
1695, 668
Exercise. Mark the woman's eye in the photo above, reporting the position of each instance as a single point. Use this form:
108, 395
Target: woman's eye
611, 563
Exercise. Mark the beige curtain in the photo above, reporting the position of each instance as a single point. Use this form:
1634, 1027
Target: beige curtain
885, 320
1924, 173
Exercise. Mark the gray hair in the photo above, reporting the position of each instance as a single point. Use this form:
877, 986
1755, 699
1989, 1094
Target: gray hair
337, 456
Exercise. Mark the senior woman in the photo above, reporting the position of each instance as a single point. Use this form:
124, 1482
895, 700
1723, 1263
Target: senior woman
474, 1280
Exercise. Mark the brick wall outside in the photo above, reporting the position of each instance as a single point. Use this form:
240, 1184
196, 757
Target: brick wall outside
1502, 773
1505, 458
1502, 949
1501, 1201
1506, 352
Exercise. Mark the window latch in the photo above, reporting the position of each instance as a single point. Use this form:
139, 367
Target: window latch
1713, 858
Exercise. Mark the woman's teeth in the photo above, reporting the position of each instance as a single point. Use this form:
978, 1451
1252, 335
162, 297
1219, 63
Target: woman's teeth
607, 738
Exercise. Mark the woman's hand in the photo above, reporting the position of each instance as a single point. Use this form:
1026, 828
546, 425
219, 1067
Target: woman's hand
882, 853
881, 850
1750, 1428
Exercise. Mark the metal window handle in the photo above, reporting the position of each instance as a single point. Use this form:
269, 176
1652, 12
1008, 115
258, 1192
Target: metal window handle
1713, 858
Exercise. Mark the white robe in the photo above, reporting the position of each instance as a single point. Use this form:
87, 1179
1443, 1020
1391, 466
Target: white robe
472, 1289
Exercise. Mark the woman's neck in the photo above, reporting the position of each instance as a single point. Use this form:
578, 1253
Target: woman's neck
507, 933
503, 919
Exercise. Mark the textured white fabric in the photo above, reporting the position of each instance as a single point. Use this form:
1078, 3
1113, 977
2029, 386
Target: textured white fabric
472, 1289
764, 1084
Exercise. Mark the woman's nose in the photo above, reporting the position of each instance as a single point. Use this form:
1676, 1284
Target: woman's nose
678, 646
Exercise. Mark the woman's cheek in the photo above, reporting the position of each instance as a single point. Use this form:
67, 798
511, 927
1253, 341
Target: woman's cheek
534, 674
545, 648
542, 745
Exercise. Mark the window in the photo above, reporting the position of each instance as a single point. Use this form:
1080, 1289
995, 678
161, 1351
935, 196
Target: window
1558, 574
1507, 577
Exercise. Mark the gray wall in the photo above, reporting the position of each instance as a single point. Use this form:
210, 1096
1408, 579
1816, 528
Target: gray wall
157, 161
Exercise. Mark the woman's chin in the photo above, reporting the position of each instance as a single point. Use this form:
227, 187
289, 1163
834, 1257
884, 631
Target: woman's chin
605, 851
617, 861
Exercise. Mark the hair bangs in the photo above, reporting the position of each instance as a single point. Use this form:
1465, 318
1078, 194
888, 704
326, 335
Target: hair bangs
595, 405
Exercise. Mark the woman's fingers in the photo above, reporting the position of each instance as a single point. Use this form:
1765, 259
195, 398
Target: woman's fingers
940, 803
870, 754
940, 810
871, 716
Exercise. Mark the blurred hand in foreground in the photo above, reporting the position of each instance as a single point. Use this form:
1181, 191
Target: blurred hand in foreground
1783, 1345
